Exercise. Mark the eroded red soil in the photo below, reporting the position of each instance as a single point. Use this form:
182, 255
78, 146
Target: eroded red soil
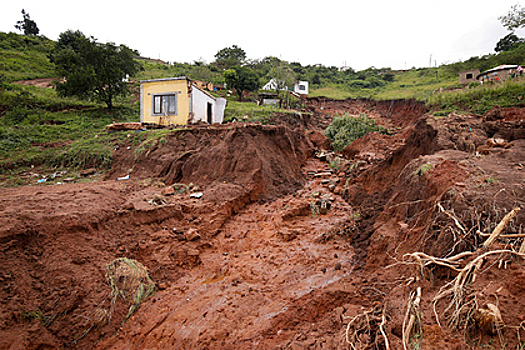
282, 251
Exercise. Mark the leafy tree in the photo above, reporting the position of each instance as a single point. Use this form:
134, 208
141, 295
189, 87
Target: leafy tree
241, 79
508, 42
229, 57
283, 76
27, 25
514, 19
91, 69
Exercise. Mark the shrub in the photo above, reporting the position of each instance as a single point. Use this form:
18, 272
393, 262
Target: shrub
345, 129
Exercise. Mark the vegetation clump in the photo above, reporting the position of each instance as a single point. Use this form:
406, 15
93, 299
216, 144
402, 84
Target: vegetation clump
129, 280
346, 128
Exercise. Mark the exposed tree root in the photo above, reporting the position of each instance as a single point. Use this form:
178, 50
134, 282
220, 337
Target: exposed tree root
412, 317
362, 330
462, 305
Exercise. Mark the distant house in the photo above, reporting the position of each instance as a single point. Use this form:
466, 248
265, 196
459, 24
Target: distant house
468, 76
275, 84
301, 87
177, 101
500, 73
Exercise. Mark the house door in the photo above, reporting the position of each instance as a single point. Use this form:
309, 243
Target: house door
209, 113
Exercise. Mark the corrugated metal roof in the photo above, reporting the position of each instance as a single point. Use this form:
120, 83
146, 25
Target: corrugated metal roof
502, 67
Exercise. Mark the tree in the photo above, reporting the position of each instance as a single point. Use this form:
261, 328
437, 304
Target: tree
27, 25
283, 77
508, 42
241, 79
91, 69
514, 19
229, 57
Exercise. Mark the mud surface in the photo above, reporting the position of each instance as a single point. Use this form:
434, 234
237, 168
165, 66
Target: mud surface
253, 242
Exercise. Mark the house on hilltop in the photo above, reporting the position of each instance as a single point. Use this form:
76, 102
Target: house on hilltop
500, 73
178, 101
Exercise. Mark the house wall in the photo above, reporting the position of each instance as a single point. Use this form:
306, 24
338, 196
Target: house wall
297, 87
468, 76
218, 113
500, 75
199, 101
150, 88
199, 107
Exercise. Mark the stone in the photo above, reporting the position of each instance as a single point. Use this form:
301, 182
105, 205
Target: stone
87, 172
168, 191
197, 195
192, 234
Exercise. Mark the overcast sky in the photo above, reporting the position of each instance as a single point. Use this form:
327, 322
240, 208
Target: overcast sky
359, 34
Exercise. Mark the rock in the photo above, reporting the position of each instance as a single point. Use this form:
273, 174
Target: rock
496, 142
197, 195
286, 236
158, 200
168, 191
87, 172
319, 140
69, 179
192, 234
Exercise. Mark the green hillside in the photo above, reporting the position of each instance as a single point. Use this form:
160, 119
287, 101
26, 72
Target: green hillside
25, 57
40, 130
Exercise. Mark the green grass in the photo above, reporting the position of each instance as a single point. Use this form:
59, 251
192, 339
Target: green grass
250, 111
417, 84
480, 99
38, 128
25, 57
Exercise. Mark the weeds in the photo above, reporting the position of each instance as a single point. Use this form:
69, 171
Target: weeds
40, 316
422, 170
346, 128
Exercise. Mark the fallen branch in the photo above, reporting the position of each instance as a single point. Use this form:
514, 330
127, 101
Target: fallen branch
500, 227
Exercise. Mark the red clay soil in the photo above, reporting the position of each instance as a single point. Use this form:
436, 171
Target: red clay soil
282, 251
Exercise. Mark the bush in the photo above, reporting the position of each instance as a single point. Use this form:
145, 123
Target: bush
345, 129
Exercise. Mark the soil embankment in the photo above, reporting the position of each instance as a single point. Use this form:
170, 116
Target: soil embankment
255, 243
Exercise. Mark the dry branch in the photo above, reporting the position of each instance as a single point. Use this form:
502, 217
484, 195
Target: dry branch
497, 231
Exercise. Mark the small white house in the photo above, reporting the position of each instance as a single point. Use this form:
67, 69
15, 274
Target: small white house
301, 88
275, 84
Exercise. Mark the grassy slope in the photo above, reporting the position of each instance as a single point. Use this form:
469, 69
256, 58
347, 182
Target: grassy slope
38, 128
25, 57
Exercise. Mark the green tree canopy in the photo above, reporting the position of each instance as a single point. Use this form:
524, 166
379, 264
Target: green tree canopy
91, 69
229, 57
514, 19
241, 79
27, 25
506, 43
283, 76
